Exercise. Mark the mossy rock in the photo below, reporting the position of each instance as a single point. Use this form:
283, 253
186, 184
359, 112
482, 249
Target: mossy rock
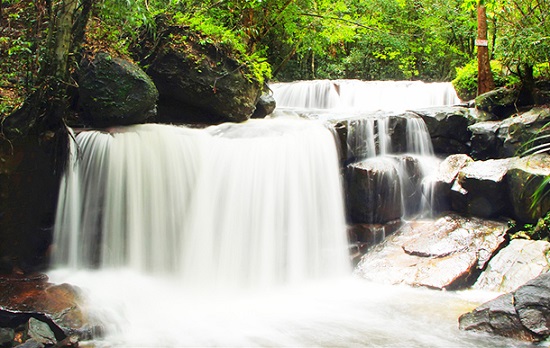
115, 91
201, 82
500, 103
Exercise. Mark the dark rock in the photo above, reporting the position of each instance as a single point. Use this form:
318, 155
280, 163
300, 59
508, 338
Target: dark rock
514, 265
114, 91
200, 82
497, 317
480, 189
373, 191
448, 127
375, 135
532, 302
40, 332
525, 175
484, 142
265, 106
501, 102
519, 132
6, 336
523, 314
445, 254
31, 343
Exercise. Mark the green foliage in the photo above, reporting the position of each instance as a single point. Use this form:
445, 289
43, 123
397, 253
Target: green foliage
524, 36
465, 82
538, 231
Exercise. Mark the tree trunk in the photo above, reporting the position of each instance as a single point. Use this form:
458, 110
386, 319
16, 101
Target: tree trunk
35, 145
485, 82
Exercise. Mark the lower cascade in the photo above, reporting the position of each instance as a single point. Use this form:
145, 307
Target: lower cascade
221, 207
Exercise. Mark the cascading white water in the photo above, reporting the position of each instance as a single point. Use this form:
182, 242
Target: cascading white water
243, 207
363, 95
230, 236
371, 110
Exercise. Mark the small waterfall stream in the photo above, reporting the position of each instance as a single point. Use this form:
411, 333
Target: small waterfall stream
234, 235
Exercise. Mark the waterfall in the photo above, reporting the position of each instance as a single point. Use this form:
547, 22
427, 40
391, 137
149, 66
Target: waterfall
235, 235
226, 207
363, 95
378, 130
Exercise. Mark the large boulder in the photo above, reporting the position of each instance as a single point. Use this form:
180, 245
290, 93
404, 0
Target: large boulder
516, 264
201, 82
512, 136
525, 176
115, 91
499, 103
448, 128
480, 189
447, 253
523, 314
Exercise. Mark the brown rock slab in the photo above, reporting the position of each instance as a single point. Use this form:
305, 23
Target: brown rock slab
441, 253
23, 297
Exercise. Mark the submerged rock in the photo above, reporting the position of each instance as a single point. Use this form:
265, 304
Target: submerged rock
443, 254
516, 264
523, 314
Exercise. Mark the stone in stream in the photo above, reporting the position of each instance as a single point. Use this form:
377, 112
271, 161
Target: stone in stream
446, 253
523, 314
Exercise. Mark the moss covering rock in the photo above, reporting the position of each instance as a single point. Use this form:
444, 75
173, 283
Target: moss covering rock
115, 91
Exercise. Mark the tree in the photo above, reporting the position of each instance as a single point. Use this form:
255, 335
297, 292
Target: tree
485, 82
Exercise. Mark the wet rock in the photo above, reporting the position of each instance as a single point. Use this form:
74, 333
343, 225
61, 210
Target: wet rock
525, 175
444, 254
485, 143
523, 314
532, 302
444, 178
480, 189
497, 317
373, 191
448, 127
516, 264
115, 91
31, 343
6, 336
40, 332
265, 106
59, 306
373, 135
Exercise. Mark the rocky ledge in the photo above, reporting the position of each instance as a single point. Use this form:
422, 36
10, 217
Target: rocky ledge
36, 313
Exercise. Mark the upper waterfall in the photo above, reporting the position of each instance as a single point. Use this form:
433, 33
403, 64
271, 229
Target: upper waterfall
363, 95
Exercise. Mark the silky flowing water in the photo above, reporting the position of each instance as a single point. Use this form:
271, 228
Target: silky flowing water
233, 235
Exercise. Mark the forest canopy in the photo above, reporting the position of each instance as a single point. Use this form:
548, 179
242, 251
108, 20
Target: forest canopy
295, 39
